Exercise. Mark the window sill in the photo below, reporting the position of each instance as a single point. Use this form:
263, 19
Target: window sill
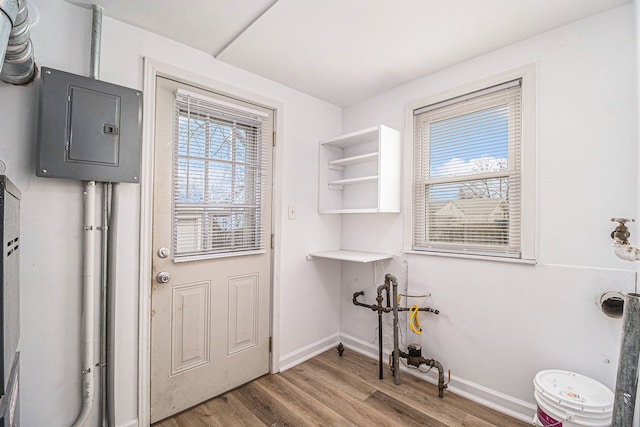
470, 256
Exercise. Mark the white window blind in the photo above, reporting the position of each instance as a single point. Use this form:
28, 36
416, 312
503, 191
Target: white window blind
467, 174
219, 178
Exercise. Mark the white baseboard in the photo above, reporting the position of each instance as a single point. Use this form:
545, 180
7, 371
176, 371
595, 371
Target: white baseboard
294, 358
490, 398
130, 423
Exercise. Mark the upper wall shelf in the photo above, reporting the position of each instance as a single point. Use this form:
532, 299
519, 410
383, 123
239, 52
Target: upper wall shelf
359, 172
340, 164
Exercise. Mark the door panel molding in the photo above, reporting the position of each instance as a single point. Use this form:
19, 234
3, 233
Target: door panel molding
191, 347
243, 313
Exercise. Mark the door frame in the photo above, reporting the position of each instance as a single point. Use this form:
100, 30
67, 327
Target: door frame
152, 69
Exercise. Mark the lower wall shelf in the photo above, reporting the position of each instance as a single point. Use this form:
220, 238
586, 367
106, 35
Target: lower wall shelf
354, 256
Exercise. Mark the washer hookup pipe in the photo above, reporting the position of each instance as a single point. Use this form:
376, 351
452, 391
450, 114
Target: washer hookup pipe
380, 309
390, 279
431, 363
390, 283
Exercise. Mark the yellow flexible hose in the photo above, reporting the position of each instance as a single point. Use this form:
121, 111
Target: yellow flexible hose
414, 322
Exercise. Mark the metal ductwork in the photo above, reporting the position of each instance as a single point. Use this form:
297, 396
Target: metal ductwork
16, 49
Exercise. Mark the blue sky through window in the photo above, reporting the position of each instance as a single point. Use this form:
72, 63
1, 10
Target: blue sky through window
468, 144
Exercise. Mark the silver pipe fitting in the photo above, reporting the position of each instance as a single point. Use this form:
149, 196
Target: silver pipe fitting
19, 65
620, 236
8, 14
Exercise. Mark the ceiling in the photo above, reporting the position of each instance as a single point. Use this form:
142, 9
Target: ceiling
344, 51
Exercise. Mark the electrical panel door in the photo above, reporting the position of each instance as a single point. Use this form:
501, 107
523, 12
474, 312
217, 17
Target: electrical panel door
88, 129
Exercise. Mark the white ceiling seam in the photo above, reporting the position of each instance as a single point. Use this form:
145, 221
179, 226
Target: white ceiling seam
243, 30
345, 51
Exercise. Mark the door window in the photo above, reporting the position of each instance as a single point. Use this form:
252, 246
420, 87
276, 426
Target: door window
218, 174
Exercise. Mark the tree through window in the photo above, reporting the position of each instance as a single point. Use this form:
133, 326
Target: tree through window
466, 180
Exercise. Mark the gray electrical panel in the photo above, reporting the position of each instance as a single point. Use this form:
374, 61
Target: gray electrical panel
88, 129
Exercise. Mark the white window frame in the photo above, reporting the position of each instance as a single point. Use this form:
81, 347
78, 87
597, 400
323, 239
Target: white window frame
528, 165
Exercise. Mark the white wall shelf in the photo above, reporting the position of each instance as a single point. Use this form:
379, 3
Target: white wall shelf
349, 211
359, 172
340, 183
354, 256
340, 164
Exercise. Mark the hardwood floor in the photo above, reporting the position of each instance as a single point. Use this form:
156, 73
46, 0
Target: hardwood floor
329, 390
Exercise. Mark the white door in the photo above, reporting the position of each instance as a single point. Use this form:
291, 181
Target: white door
211, 242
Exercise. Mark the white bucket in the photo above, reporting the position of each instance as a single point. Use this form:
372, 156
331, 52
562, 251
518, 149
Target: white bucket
567, 399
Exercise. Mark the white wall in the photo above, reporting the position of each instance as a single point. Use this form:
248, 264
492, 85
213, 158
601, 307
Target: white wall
501, 323
51, 213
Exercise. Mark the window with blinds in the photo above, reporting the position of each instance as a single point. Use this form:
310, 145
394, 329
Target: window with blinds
467, 173
219, 178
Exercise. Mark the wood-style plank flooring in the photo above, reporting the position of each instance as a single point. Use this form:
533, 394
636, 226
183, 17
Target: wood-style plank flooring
329, 390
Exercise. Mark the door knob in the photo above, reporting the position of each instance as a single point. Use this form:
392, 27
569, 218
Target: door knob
163, 277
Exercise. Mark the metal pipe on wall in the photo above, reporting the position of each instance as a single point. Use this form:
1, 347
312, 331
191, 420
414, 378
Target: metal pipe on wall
96, 41
393, 281
107, 409
381, 310
104, 308
627, 377
111, 304
8, 13
88, 385
414, 359
380, 362
88, 271
16, 50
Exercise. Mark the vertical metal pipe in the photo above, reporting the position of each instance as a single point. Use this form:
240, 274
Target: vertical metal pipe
111, 303
104, 359
627, 378
388, 297
380, 361
381, 310
88, 268
96, 41
88, 302
396, 346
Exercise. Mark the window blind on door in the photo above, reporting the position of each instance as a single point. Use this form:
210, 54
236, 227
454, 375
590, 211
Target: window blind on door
467, 173
219, 177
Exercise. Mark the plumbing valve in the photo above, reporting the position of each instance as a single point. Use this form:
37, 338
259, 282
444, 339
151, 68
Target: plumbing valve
415, 354
621, 232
